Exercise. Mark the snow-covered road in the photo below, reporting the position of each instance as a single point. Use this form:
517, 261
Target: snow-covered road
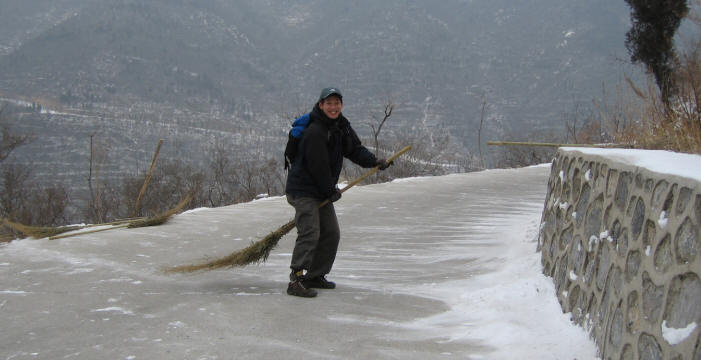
428, 268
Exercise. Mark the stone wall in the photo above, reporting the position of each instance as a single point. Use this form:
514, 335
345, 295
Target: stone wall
622, 245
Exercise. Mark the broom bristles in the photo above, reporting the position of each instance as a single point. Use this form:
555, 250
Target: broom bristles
39, 232
161, 219
257, 252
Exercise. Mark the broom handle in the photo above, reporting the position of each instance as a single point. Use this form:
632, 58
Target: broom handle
369, 173
87, 232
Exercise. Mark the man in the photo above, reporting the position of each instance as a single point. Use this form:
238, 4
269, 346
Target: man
312, 179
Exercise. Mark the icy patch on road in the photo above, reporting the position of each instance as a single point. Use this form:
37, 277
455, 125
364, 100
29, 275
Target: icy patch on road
115, 309
501, 307
13, 292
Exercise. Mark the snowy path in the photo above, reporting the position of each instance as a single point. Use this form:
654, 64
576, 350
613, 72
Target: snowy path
430, 268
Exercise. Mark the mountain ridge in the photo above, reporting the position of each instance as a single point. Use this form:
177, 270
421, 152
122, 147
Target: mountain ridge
244, 65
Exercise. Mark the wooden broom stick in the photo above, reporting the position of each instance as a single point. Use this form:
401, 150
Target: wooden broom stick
258, 251
519, 143
148, 179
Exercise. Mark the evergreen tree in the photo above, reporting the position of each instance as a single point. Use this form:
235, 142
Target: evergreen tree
651, 38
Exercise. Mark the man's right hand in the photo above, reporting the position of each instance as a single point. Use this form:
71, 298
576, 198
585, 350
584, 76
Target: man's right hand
382, 163
335, 196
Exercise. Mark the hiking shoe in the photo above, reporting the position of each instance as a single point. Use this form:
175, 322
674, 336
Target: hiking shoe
319, 283
296, 288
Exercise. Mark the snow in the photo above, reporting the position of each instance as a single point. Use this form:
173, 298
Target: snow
115, 309
593, 240
662, 221
658, 161
12, 292
573, 276
675, 336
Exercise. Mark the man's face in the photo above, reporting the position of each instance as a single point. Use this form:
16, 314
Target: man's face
331, 106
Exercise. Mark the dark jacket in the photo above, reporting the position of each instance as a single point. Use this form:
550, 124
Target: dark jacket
317, 167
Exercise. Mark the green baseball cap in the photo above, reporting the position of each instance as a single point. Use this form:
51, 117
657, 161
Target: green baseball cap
330, 91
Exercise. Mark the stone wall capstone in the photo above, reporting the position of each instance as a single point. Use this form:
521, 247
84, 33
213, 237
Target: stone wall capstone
622, 245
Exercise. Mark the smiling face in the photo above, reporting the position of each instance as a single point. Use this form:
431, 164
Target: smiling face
331, 106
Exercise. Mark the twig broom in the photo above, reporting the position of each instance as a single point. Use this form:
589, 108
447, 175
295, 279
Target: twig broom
162, 218
136, 222
39, 232
258, 251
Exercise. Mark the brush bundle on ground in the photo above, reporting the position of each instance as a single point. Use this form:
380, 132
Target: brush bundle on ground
161, 219
54, 233
40, 232
258, 252
136, 223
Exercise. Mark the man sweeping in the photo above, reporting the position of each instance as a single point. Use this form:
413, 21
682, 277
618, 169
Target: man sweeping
312, 178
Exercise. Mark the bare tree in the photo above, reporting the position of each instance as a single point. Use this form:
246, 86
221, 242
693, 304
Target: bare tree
582, 125
479, 133
51, 204
15, 181
97, 207
221, 185
8, 140
378, 123
257, 177
272, 178
21, 199
172, 181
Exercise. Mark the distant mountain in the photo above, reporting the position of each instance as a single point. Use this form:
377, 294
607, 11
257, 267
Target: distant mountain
159, 51
233, 65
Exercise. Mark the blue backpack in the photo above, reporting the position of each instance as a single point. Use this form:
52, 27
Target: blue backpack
293, 139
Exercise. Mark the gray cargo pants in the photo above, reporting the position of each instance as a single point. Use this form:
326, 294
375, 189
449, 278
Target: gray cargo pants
318, 235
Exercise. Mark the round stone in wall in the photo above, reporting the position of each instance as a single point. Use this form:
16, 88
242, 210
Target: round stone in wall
638, 219
653, 298
687, 241
592, 226
663, 255
658, 195
582, 203
621, 194
632, 265
683, 201
648, 348
683, 301
616, 333
633, 313
627, 353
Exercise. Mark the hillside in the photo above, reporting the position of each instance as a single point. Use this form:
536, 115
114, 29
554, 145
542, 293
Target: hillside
231, 73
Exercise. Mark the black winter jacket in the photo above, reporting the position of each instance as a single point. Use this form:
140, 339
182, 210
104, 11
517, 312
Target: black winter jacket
317, 167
